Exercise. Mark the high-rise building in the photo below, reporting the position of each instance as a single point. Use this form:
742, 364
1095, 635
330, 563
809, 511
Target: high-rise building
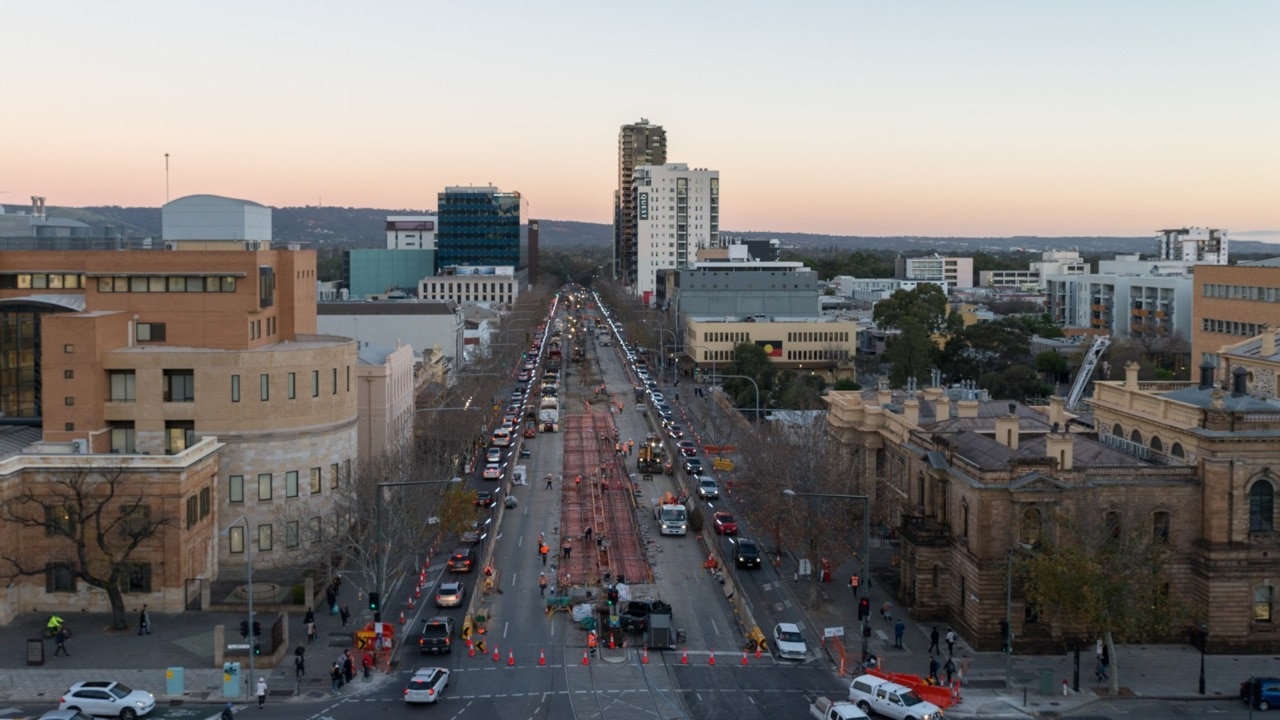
677, 213
1206, 246
639, 144
480, 226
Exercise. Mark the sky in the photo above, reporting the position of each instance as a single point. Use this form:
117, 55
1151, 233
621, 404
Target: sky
976, 118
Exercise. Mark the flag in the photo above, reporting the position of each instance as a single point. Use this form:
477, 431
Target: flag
772, 348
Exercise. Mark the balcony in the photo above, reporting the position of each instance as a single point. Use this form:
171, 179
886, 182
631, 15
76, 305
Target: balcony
923, 531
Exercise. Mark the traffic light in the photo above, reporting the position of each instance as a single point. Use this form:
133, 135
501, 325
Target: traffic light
375, 601
244, 628
257, 628
257, 648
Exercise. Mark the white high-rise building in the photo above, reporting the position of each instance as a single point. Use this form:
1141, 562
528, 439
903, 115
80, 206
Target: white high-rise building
677, 214
1204, 246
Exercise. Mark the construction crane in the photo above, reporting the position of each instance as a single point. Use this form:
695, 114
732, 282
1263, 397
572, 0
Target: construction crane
1090, 363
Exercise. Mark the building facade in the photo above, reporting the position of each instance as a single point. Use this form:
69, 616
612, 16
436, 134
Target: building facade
822, 346
480, 226
412, 232
420, 324
1126, 306
743, 289
492, 285
677, 213
641, 143
1232, 303
956, 272
387, 378
1202, 246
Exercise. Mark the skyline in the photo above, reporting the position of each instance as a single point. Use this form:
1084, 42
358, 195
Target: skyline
987, 119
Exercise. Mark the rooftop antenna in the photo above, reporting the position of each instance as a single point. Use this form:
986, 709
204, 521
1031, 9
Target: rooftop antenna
166, 178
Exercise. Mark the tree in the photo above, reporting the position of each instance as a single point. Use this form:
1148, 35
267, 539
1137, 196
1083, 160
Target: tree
983, 348
1052, 365
910, 353
1105, 571
751, 361
926, 304
1014, 383
96, 521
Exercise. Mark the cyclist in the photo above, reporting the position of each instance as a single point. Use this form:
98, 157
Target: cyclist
52, 627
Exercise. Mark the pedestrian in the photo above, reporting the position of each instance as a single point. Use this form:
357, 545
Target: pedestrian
548, 482
1106, 660
144, 622
592, 641
884, 611
227, 712
335, 677
933, 669
262, 691
898, 630
61, 640
951, 641
586, 535
542, 584
964, 669
299, 664
309, 620
346, 614
933, 641
864, 606
568, 548
331, 600
348, 666
1100, 671
949, 669
544, 551
367, 661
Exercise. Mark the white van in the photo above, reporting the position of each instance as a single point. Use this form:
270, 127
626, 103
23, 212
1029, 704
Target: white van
875, 694
501, 437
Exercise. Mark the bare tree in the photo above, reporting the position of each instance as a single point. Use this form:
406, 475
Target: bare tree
95, 522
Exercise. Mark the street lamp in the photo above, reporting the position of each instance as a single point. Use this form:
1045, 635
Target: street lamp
248, 549
379, 559
717, 378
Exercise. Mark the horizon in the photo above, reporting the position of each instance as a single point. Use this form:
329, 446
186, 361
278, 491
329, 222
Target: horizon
987, 119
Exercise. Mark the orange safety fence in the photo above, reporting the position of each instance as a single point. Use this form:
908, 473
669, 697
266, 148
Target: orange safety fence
940, 695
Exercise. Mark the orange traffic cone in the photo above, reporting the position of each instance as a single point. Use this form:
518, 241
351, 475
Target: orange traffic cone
542, 658
471, 649
585, 661
611, 642
712, 660
757, 651
401, 617
744, 657
418, 593
410, 603
511, 658
644, 656
684, 657
496, 656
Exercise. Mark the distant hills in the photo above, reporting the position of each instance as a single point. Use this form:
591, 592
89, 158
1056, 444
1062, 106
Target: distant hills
363, 227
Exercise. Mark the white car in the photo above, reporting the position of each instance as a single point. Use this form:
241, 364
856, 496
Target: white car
493, 471
426, 685
105, 698
887, 698
789, 641
707, 488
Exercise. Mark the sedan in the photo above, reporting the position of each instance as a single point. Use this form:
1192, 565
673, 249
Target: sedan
493, 455
450, 594
693, 466
658, 398
675, 431
789, 641
105, 698
707, 488
485, 499
724, 523
688, 448
426, 685
493, 471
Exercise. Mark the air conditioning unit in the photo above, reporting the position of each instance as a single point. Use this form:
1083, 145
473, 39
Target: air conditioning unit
80, 447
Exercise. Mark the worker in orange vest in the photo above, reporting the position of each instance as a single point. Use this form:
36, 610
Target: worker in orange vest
592, 641
543, 550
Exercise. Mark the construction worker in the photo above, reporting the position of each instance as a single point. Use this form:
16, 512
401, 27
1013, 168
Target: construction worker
543, 550
542, 584
592, 641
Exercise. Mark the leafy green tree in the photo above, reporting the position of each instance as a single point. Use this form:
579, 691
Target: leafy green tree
750, 360
983, 348
1014, 383
846, 384
910, 353
925, 304
1052, 364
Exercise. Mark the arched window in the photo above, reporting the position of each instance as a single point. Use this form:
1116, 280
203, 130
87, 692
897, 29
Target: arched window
1156, 444
1117, 430
1031, 527
1135, 437
1261, 507
964, 518
1177, 450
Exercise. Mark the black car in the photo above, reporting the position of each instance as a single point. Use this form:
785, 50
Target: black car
693, 466
635, 618
746, 554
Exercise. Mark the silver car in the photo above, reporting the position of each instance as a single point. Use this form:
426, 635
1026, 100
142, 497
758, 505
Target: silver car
106, 698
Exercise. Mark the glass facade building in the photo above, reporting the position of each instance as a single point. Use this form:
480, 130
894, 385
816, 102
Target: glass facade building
479, 226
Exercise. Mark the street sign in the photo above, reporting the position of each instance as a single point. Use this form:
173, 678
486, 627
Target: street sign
831, 632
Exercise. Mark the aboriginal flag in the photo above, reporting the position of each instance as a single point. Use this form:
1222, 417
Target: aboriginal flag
772, 348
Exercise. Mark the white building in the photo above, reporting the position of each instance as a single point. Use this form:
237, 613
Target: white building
412, 232
1052, 262
386, 391
873, 290
1124, 305
197, 218
956, 272
1205, 246
677, 214
466, 284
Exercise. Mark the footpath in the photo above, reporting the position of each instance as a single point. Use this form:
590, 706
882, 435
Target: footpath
1147, 671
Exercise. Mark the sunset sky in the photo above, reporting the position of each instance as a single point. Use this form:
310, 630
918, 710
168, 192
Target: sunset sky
867, 118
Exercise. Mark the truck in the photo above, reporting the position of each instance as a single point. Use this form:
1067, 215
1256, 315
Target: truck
885, 697
826, 709
549, 413
650, 456
672, 515
436, 636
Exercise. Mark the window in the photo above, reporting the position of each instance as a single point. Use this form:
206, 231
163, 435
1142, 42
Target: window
1261, 507
59, 579
264, 486
179, 385
293, 385
179, 435
264, 538
315, 481
206, 495
315, 383
1262, 596
193, 511
69, 400
68, 374
316, 529
291, 534
124, 386
68, 349
291, 484
135, 520
1031, 526
58, 521
1177, 450
1160, 527
136, 578
149, 332
333, 476
264, 387
235, 491
335, 381
235, 539
235, 388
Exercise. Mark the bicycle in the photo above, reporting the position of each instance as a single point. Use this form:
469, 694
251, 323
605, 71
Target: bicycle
51, 631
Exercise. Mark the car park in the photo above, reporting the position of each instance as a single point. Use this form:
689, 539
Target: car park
724, 523
462, 560
106, 698
688, 448
708, 489
450, 594
789, 642
426, 685
746, 554
693, 466
492, 471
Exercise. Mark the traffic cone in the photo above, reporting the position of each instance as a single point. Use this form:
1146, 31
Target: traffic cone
744, 658
644, 656
401, 617
757, 651
712, 659
585, 661
542, 658
511, 658
496, 656
684, 657
611, 642
418, 593
410, 603
471, 649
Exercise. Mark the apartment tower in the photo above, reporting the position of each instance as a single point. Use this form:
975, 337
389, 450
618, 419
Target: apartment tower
639, 144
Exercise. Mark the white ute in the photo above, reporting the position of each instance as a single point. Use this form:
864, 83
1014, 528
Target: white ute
824, 709
874, 694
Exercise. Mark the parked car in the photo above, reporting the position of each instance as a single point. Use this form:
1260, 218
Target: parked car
450, 594
724, 523
635, 618
462, 560
107, 698
426, 685
1265, 692
789, 642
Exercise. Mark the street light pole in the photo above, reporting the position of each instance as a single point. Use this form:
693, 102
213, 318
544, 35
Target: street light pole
248, 549
717, 378
865, 556
379, 558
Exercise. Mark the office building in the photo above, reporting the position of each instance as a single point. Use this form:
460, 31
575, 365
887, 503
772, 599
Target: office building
956, 272
480, 226
818, 345
1232, 303
412, 232
677, 213
639, 144
1201, 246
495, 286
